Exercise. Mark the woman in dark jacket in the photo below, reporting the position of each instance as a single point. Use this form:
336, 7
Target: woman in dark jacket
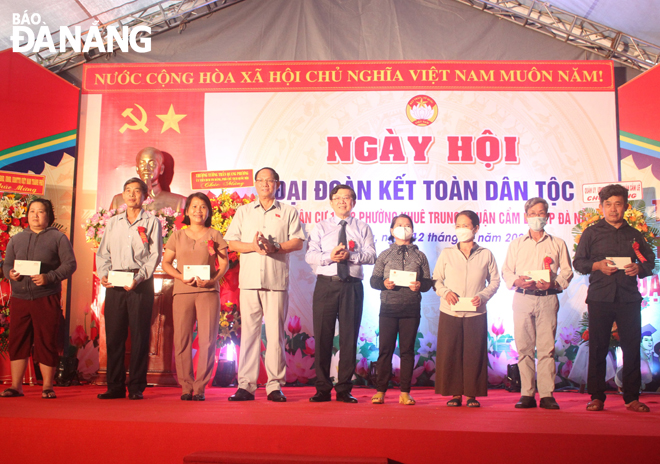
400, 306
35, 304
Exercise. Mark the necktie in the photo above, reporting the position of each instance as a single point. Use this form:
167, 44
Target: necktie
342, 267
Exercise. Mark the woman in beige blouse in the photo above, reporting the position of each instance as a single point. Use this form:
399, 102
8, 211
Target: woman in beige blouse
466, 278
196, 299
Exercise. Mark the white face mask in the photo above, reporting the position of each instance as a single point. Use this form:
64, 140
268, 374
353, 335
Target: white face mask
537, 223
464, 234
402, 233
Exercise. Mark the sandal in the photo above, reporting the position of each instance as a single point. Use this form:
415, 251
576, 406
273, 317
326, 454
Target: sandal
454, 402
48, 394
378, 398
473, 403
636, 406
405, 398
596, 405
11, 393
187, 397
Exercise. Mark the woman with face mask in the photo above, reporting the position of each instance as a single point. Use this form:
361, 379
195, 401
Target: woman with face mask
400, 305
466, 278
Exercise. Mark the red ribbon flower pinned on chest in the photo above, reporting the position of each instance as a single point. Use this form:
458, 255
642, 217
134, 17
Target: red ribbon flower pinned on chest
635, 246
351, 245
547, 261
143, 235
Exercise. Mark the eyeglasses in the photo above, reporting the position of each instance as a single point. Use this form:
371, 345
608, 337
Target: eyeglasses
266, 181
345, 198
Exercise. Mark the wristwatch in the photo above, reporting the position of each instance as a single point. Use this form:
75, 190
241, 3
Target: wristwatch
277, 246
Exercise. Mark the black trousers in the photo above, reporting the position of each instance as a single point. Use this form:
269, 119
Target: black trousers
334, 300
388, 328
628, 318
462, 358
124, 310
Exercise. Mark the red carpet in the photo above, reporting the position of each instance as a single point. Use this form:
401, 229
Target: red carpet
77, 428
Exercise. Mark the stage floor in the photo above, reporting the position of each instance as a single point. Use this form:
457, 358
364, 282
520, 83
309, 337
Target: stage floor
78, 428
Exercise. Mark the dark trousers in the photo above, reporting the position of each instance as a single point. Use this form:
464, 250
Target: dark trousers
334, 300
124, 310
462, 359
628, 318
388, 328
35, 322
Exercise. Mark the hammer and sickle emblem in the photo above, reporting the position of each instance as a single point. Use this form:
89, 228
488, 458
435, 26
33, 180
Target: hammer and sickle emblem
139, 123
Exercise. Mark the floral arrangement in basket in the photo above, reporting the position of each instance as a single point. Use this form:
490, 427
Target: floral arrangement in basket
95, 226
230, 324
13, 217
634, 215
224, 208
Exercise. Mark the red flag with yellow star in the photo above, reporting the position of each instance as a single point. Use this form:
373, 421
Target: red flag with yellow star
172, 122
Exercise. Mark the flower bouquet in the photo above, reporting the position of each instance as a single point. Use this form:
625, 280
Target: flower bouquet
224, 208
95, 226
230, 324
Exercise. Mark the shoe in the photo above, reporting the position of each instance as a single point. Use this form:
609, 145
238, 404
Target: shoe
346, 398
473, 403
548, 403
241, 395
135, 396
186, 397
378, 398
455, 402
48, 394
111, 395
277, 396
320, 397
199, 397
636, 406
405, 398
11, 393
595, 405
526, 402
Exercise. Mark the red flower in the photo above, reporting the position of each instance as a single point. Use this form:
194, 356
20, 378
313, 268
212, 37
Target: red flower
24, 222
143, 235
310, 346
235, 197
547, 261
230, 318
294, 325
211, 247
16, 222
178, 222
3, 227
351, 245
585, 335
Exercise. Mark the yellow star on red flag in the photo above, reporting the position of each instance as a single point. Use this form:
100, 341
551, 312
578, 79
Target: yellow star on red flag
171, 120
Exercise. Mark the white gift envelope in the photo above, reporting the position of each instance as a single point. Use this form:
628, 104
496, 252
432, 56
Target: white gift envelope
543, 274
464, 304
203, 272
620, 262
402, 278
27, 268
121, 279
